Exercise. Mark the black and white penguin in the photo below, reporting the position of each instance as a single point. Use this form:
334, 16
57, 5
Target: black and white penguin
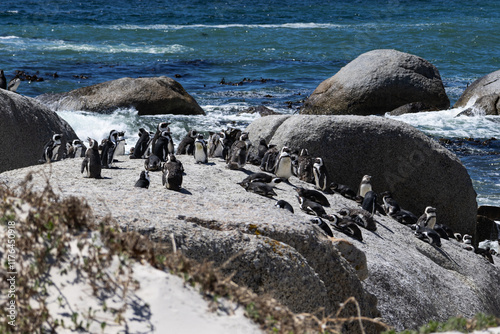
142, 145
428, 235
143, 181
217, 145
305, 166
321, 177
313, 195
282, 204
269, 159
428, 218
360, 216
186, 146
365, 185
108, 150
238, 153
311, 207
152, 163
391, 206
370, 202
51, 149
164, 145
323, 225
260, 188
92, 160
120, 145
348, 227
262, 177
200, 150
343, 190
172, 173
3, 80
160, 128
75, 149
283, 166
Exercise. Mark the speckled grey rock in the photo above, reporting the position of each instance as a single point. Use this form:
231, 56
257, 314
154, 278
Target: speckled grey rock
283, 254
482, 87
417, 170
377, 82
150, 96
25, 126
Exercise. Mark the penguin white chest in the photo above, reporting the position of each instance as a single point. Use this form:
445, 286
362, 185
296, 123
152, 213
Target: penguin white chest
284, 168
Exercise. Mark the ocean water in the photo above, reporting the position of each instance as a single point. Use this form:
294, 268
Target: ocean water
231, 55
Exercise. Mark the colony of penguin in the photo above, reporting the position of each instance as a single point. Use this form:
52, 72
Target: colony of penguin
277, 165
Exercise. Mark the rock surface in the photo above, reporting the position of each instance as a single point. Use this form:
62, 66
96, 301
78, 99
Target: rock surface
483, 93
26, 125
282, 253
377, 82
150, 96
417, 170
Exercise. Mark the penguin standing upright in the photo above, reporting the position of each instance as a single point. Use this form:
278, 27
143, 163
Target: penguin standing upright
217, 145
238, 153
108, 149
321, 177
51, 149
428, 218
305, 166
186, 146
160, 128
365, 185
92, 160
142, 144
75, 149
200, 150
269, 159
283, 166
163, 146
120, 145
172, 173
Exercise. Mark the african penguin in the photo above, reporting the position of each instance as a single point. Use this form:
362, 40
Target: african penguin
348, 227
163, 146
283, 166
160, 128
142, 144
238, 154
311, 207
324, 226
172, 173
305, 166
92, 161
108, 149
282, 204
143, 181
269, 159
320, 175
152, 163
343, 190
186, 146
260, 188
313, 195
428, 218
51, 149
428, 235
262, 177
365, 185
120, 145
200, 150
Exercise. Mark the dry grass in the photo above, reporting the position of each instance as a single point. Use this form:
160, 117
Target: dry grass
46, 224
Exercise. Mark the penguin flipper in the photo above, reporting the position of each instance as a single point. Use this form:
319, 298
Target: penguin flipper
84, 165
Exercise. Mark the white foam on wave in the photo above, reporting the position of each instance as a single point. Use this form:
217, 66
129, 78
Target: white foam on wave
445, 123
309, 25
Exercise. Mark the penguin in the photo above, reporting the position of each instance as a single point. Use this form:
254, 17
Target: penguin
269, 159
428, 235
218, 145
360, 216
14, 84
305, 166
163, 146
262, 177
370, 203
320, 175
120, 145
3, 80
324, 226
172, 173
365, 185
238, 153
92, 160
160, 128
311, 207
143, 181
259, 188
404, 217
186, 146
343, 190
108, 150
282, 204
200, 150
313, 195
142, 144
428, 218
75, 149
283, 166
348, 227
51, 149
390, 206
152, 163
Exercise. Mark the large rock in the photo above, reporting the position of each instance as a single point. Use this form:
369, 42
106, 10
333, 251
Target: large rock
482, 97
150, 96
377, 82
283, 254
417, 170
25, 126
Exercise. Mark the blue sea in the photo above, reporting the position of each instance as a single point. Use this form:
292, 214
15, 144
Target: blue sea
231, 55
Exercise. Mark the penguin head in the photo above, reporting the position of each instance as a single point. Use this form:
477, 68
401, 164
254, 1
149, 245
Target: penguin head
318, 162
163, 126
76, 143
244, 136
430, 210
193, 133
113, 136
165, 134
467, 239
57, 138
366, 179
93, 144
171, 158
